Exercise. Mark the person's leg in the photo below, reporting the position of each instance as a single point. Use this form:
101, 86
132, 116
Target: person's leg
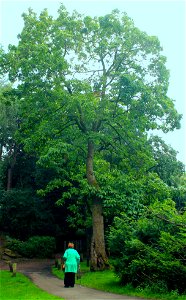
70, 279
72, 282
67, 279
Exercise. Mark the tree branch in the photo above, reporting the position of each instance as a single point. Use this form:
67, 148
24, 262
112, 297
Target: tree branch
168, 221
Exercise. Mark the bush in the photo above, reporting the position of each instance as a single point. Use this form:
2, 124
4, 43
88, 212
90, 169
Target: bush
36, 246
14, 245
153, 252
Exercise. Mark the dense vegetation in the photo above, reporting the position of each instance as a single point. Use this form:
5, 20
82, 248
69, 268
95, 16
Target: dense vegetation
83, 95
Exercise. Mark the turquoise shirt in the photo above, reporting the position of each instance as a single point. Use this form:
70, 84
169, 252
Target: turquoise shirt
72, 260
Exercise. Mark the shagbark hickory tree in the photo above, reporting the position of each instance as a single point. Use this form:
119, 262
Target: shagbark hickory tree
90, 84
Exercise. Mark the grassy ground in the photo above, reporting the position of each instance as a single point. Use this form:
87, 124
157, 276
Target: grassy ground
107, 281
20, 288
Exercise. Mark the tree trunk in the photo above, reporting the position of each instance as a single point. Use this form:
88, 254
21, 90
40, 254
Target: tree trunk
1, 151
12, 161
98, 257
9, 179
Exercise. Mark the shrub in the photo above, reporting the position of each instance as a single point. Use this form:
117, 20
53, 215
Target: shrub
36, 246
153, 252
14, 245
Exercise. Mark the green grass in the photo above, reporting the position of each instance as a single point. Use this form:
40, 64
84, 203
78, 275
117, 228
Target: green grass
21, 288
109, 282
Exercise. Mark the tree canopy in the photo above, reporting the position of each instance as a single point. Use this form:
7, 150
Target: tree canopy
90, 90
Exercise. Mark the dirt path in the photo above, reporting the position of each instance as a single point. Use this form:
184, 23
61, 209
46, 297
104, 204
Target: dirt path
39, 271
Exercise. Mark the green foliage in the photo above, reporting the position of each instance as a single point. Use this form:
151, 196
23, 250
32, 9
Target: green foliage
168, 168
65, 101
34, 247
131, 194
154, 189
113, 103
8, 117
23, 214
179, 192
98, 82
151, 250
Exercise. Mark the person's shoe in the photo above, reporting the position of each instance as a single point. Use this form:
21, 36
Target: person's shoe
72, 286
65, 286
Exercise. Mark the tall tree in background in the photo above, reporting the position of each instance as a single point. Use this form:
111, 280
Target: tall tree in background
167, 166
89, 85
8, 126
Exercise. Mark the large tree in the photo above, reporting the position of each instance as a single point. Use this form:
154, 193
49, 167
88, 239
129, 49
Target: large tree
9, 150
89, 85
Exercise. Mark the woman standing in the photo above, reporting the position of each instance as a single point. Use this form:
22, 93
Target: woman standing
72, 259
